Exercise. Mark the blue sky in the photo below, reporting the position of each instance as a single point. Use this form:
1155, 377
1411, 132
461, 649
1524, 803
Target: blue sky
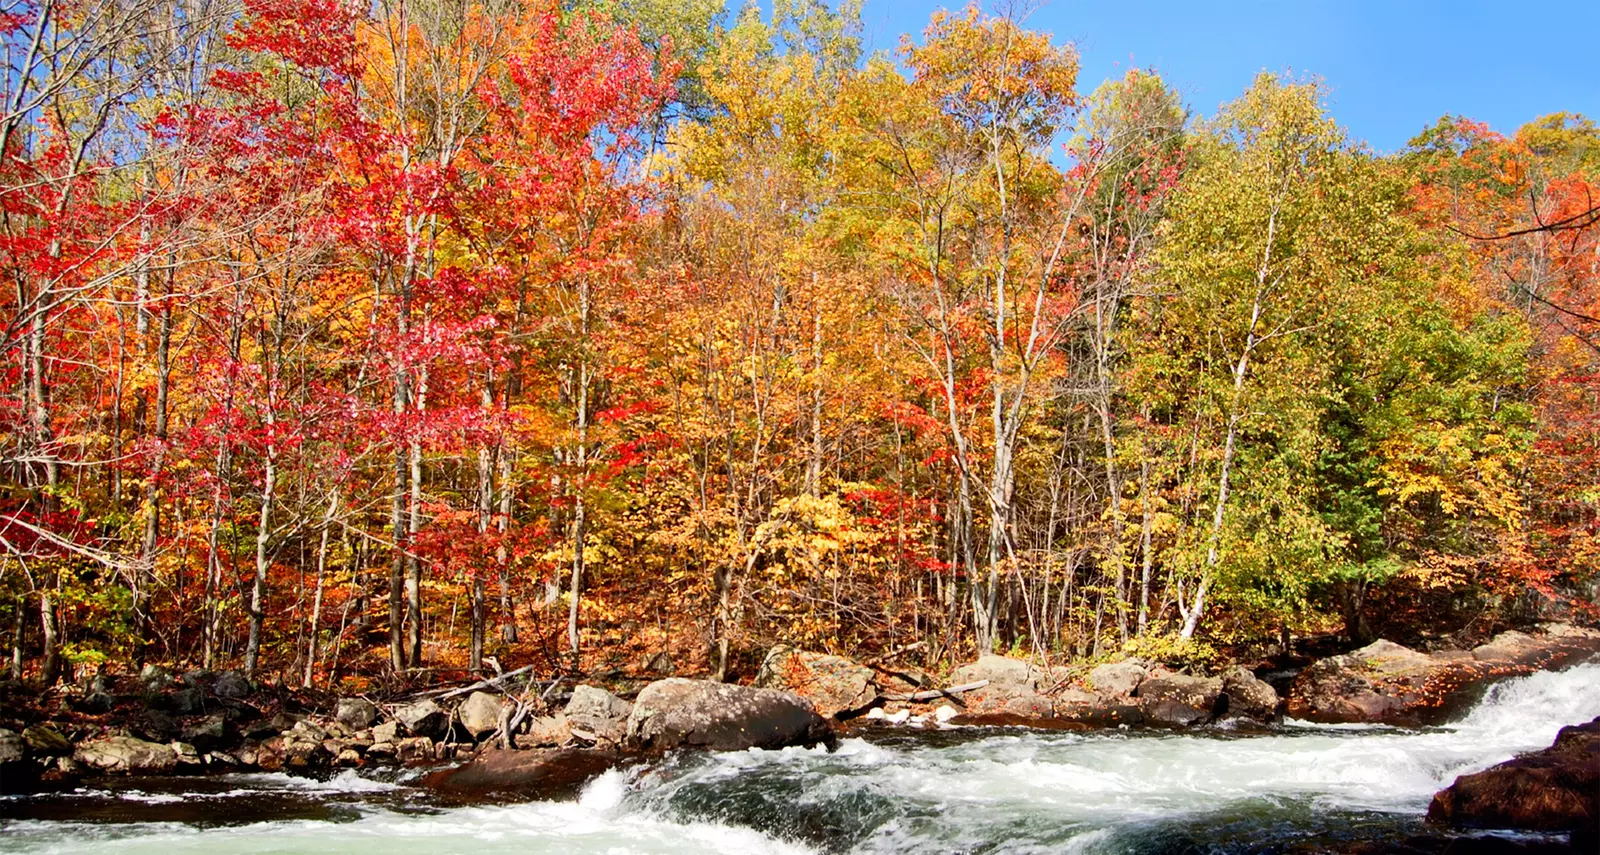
1391, 67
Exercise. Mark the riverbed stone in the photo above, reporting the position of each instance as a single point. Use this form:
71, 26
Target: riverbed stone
154, 677
355, 713
836, 686
423, 718
388, 732
124, 754
480, 713
681, 713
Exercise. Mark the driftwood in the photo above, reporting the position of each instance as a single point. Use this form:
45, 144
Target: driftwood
494, 681
935, 694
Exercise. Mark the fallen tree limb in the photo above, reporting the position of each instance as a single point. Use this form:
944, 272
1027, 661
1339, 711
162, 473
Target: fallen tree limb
935, 694
481, 684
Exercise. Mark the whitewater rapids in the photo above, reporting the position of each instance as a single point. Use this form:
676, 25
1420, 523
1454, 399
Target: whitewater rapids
962, 790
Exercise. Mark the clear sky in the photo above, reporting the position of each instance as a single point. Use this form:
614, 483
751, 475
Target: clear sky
1392, 66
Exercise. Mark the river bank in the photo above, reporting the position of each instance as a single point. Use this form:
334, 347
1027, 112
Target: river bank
1301, 788
104, 749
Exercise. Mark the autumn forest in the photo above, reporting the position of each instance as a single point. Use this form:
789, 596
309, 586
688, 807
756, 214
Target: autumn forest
347, 345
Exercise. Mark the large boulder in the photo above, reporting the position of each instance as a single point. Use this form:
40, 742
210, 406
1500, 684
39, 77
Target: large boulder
538, 774
1556, 789
121, 754
680, 713
423, 718
1117, 679
836, 686
1390, 684
1179, 700
998, 671
480, 713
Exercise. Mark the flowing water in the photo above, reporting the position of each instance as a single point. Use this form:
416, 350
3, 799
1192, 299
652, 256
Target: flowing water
1303, 788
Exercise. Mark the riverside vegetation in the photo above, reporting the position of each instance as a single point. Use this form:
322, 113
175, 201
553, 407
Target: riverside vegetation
368, 352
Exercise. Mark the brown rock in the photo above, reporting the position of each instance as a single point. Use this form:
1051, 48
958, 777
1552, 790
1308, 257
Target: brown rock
123, 754
523, 775
836, 686
1556, 789
1180, 700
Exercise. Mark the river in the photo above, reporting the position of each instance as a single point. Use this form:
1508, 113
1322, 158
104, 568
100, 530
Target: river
1301, 788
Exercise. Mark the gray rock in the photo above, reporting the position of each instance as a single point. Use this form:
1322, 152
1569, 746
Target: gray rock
231, 685
208, 732
423, 718
126, 754
1117, 679
999, 671
480, 713
676, 712
186, 701
12, 747
356, 713
46, 740
155, 726
154, 678
94, 703
599, 712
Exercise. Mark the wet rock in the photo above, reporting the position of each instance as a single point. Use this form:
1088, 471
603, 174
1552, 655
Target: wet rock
382, 750
1117, 679
548, 731
1555, 789
1180, 701
123, 754
348, 757
357, 713
599, 713
1249, 696
1101, 714
999, 671
423, 718
480, 713
231, 685
534, 774
836, 686
676, 712
47, 741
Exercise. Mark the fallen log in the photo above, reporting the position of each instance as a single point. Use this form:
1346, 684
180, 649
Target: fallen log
494, 681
